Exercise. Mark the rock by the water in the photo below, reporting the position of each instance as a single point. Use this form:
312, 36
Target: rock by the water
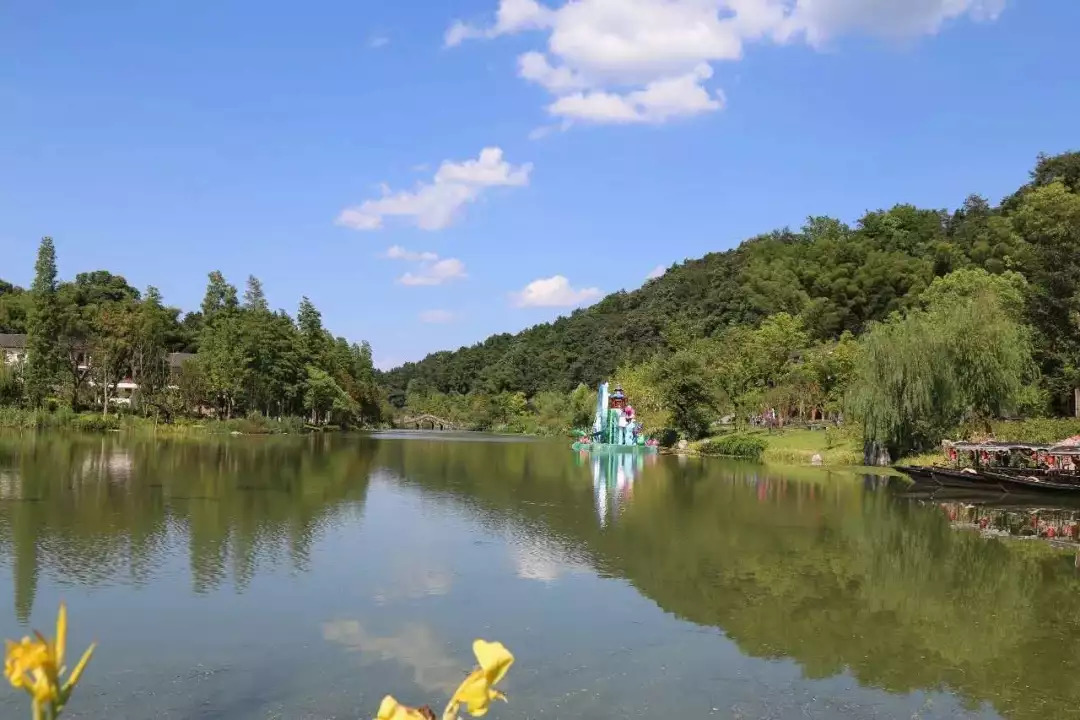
816, 460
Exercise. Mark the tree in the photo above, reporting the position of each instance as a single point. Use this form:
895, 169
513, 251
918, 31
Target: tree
919, 375
583, 406
111, 346
324, 396
191, 392
641, 383
1009, 288
256, 319
313, 340
1048, 218
73, 340
223, 360
43, 326
149, 357
14, 308
220, 296
687, 394
10, 382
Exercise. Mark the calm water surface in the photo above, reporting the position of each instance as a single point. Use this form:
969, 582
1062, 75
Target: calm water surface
255, 578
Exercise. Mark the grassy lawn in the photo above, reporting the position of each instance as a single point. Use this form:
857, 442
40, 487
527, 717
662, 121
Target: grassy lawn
798, 447
839, 447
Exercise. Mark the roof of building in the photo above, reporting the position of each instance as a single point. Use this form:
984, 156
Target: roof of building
12, 342
177, 359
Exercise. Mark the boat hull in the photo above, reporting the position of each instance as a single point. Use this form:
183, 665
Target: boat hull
1009, 481
1021, 484
950, 478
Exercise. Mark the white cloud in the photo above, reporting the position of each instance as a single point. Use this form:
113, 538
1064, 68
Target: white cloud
656, 272
658, 102
435, 273
431, 270
437, 317
620, 61
378, 41
554, 291
822, 20
396, 252
539, 133
534, 66
489, 170
512, 16
436, 204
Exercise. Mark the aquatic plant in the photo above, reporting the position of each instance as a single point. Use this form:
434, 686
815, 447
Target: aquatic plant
475, 693
36, 665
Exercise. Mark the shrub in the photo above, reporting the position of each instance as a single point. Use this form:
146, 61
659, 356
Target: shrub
96, 423
740, 445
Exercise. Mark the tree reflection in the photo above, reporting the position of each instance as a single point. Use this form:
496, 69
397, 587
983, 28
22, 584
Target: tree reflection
830, 570
94, 511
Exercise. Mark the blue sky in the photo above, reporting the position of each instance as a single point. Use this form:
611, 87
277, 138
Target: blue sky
301, 142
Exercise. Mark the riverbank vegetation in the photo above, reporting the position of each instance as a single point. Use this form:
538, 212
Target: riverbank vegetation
97, 345
909, 325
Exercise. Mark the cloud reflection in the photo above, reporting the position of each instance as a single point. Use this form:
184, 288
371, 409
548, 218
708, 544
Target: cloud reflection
415, 647
535, 559
412, 581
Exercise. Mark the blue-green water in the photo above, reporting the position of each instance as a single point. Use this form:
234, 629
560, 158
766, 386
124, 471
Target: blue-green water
256, 578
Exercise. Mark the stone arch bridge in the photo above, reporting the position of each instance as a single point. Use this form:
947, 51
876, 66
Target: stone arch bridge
427, 421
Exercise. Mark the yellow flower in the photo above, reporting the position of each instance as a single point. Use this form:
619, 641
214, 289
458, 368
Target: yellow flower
391, 709
22, 658
477, 691
37, 666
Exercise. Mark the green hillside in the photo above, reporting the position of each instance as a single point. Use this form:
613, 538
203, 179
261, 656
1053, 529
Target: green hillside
834, 277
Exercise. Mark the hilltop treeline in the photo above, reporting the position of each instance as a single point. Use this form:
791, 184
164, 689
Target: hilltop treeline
913, 320
87, 337
835, 276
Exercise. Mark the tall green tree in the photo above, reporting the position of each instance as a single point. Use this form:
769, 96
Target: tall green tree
1048, 219
223, 354
313, 340
43, 328
256, 319
220, 296
152, 326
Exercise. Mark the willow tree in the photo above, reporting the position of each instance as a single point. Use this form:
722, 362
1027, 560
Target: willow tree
921, 374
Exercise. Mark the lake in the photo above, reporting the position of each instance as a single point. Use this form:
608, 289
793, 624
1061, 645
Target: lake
306, 577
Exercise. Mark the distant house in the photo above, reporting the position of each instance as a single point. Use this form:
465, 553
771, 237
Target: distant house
13, 352
176, 362
13, 348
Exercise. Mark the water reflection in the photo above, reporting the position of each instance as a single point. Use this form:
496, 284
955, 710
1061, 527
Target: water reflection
415, 646
613, 479
73, 510
838, 575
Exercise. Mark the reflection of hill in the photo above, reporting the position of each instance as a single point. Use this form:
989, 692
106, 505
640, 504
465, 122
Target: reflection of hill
101, 510
821, 571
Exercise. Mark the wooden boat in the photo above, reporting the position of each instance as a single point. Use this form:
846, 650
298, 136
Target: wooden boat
1013, 482
951, 477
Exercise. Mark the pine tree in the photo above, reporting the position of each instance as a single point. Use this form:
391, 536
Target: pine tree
43, 328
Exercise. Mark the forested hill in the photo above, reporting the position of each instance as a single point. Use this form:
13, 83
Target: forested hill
834, 276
